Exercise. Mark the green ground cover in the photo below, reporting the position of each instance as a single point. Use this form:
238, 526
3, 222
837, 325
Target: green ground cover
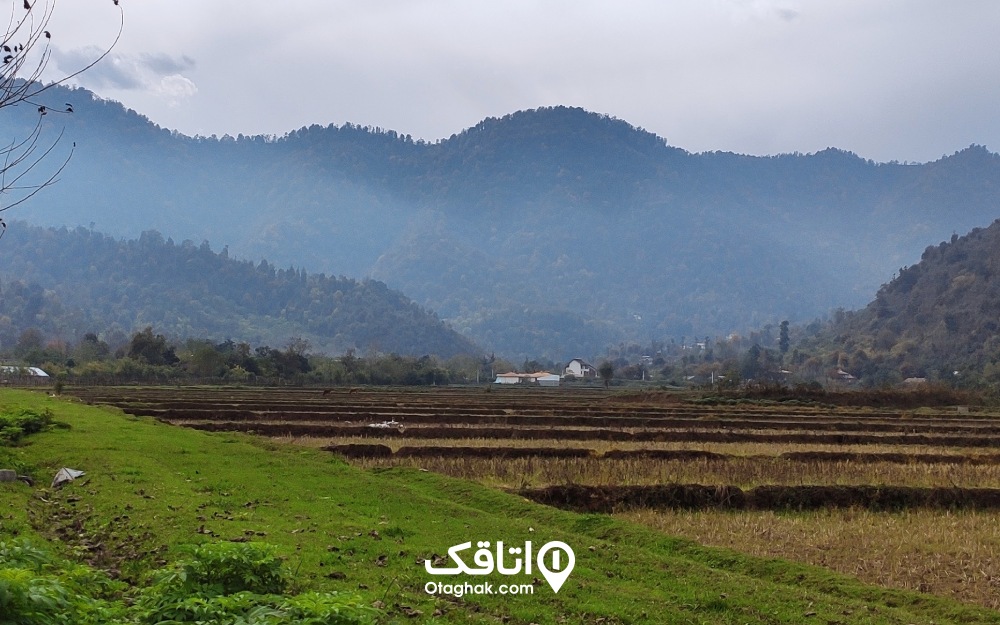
151, 488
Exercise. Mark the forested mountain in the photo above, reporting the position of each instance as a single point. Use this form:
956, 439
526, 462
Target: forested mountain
66, 283
938, 319
549, 232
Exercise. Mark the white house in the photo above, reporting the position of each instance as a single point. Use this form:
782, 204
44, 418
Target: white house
579, 368
541, 378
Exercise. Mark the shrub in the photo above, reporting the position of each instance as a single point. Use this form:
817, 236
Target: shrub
240, 583
28, 598
314, 608
220, 583
16, 425
236, 567
36, 589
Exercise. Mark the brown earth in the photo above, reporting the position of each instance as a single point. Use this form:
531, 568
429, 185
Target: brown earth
609, 499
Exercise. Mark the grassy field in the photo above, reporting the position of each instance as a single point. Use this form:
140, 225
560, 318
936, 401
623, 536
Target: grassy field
151, 487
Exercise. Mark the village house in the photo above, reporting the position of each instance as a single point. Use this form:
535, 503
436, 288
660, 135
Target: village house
845, 377
579, 368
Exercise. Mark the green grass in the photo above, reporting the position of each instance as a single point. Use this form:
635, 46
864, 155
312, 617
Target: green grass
152, 487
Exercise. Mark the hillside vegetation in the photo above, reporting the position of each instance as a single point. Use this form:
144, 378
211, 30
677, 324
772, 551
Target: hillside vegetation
153, 487
67, 283
577, 226
937, 319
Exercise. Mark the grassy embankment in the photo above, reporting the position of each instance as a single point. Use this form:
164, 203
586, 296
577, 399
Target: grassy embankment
151, 487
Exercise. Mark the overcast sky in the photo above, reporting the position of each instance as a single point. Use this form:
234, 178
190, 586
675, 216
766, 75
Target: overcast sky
887, 79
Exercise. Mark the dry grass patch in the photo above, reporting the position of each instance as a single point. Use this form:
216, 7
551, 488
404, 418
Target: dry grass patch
744, 472
954, 554
601, 446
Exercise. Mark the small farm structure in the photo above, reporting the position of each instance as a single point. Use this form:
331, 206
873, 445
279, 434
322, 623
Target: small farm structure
13, 374
542, 378
545, 378
508, 378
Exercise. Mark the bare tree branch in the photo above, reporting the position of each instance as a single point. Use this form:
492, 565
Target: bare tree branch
25, 52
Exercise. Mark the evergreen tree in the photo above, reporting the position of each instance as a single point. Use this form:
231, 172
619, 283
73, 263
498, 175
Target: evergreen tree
783, 341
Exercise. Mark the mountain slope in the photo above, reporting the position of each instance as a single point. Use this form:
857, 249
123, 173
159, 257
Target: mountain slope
93, 283
580, 217
939, 318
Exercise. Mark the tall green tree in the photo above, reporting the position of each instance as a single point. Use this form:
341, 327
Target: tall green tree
151, 348
607, 372
783, 340
750, 365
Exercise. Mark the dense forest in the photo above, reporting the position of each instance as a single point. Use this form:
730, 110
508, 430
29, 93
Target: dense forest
938, 319
107, 304
550, 232
68, 283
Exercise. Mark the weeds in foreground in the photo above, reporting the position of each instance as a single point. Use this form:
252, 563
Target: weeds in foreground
222, 583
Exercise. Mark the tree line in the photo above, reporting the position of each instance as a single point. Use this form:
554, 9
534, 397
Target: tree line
148, 356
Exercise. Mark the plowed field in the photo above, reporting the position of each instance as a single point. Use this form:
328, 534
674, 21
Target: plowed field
905, 498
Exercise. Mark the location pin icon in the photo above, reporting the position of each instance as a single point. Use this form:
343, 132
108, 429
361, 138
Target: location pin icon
563, 561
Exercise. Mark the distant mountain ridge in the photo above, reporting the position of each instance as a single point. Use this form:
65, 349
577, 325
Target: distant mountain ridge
67, 283
579, 226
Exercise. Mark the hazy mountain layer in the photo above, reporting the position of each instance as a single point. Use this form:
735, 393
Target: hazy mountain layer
545, 233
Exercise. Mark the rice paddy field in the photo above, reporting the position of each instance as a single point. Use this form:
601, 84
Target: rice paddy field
903, 498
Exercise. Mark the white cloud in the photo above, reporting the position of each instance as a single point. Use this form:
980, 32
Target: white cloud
175, 88
156, 73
